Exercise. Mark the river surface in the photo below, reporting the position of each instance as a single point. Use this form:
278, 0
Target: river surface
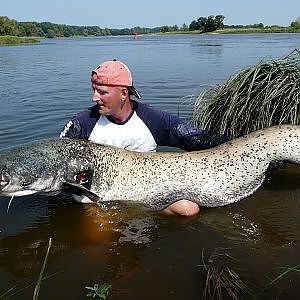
142, 254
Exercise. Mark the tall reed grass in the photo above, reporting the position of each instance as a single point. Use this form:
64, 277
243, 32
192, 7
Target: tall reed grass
221, 280
259, 96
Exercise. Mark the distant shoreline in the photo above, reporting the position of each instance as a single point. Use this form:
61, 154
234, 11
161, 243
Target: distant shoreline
240, 31
257, 30
7, 40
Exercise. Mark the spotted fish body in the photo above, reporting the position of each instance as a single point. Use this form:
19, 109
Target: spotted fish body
214, 177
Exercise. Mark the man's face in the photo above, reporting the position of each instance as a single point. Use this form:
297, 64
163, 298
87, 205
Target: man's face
108, 98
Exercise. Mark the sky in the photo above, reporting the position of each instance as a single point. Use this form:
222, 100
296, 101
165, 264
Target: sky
151, 13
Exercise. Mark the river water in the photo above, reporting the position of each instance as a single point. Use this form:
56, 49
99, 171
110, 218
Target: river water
140, 253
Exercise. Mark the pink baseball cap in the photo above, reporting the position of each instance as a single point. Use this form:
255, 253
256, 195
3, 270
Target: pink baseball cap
114, 72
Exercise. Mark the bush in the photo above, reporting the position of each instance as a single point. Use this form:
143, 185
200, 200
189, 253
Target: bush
260, 96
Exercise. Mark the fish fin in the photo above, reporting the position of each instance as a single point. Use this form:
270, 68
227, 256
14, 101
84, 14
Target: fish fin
79, 190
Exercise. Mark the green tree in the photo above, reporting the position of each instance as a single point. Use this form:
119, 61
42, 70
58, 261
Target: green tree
8, 26
208, 24
296, 24
165, 29
184, 27
219, 21
106, 31
174, 28
50, 33
29, 28
202, 23
194, 25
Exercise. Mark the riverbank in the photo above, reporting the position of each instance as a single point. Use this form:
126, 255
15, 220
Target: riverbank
16, 40
273, 29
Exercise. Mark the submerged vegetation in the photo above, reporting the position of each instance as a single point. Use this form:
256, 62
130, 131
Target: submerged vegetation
259, 96
220, 278
222, 281
99, 291
40, 278
286, 271
13, 291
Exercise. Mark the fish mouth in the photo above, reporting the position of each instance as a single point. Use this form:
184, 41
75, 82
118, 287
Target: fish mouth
5, 180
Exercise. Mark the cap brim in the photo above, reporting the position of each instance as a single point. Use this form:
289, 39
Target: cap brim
134, 92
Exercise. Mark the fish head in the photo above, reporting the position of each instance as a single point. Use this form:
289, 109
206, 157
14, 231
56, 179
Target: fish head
43, 168
23, 172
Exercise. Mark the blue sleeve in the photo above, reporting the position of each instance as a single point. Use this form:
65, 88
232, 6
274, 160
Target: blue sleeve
197, 139
72, 129
169, 130
81, 124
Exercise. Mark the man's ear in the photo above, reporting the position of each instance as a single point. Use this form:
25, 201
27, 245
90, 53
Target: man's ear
124, 92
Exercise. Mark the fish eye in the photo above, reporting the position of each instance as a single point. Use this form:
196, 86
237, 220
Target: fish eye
26, 182
82, 177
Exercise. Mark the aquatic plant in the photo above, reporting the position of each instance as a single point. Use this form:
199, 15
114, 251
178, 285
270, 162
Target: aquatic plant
40, 278
259, 96
221, 280
286, 271
15, 290
101, 291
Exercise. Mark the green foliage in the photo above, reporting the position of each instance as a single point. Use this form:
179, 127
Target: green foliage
28, 28
8, 26
266, 29
209, 24
14, 40
51, 30
257, 25
101, 291
260, 96
194, 25
285, 273
184, 27
296, 24
169, 28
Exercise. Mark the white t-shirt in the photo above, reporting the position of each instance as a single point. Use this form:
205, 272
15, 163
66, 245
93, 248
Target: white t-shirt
133, 135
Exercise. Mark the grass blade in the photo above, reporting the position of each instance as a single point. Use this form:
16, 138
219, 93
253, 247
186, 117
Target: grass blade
40, 278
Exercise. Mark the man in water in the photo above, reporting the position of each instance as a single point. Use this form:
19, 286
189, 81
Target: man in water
120, 121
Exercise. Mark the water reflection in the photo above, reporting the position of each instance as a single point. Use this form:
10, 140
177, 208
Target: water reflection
23, 214
267, 218
208, 49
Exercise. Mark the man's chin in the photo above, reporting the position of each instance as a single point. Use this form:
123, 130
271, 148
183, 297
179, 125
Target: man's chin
102, 111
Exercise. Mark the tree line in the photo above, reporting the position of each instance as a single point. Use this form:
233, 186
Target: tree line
51, 30
202, 24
